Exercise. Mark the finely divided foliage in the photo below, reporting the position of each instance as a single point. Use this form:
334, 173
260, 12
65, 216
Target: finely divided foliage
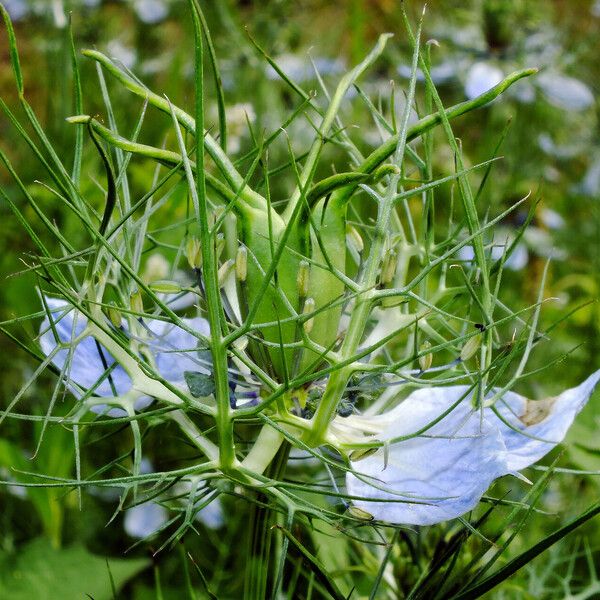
298, 327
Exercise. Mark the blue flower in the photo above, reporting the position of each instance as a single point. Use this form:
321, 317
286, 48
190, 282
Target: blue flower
447, 452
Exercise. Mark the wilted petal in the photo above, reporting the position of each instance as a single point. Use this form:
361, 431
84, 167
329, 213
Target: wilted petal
88, 360
536, 426
438, 475
482, 76
565, 92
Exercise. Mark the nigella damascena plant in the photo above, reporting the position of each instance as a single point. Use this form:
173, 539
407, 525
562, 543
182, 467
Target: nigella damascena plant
304, 313
428, 459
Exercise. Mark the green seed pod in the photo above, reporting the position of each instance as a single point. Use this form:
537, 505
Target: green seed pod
326, 289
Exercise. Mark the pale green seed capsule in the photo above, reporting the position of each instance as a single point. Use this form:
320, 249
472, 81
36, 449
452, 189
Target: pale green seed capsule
309, 306
425, 360
193, 252
136, 303
470, 348
224, 271
241, 264
303, 279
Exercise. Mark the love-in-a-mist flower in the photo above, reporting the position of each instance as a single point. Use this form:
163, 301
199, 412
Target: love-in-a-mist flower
442, 453
86, 365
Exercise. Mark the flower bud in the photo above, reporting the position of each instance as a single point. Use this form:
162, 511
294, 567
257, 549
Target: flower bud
241, 264
470, 348
224, 271
136, 303
309, 306
303, 279
193, 252
354, 239
425, 360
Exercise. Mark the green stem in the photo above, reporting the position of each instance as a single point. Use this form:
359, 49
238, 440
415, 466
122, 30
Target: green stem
263, 451
260, 538
211, 283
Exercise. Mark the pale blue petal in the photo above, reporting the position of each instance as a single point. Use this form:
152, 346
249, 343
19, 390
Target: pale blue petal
86, 365
176, 350
144, 519
438, 475
547, 420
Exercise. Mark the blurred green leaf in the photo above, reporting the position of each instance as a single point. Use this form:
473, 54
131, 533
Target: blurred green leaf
40, 571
